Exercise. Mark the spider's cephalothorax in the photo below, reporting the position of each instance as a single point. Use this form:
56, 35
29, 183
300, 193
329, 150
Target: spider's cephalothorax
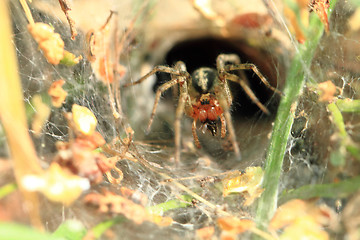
203, 79
205, 96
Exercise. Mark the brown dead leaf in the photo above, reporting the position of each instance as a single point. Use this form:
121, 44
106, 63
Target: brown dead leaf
320, 8
248, 184
327, 91
109, 202
294, 25
302, 220
57, 93
233, 224
84, 120
56, 184
49, 42
205, 233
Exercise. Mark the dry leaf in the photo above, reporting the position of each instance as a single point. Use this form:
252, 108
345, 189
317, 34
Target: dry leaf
205, 233
327, 91
247, 183
111, 203
57, 93
320, 8
49, 42
84, 120
302, 220
56, 184
294, 25
233, 224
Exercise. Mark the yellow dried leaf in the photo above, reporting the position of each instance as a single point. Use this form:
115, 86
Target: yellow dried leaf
57, 93
294, 25
56, 184
84, 120
327, 91
234, 224
302, 220
205, 233
287, 213
248, 183
49, 42
160, 220
304, 227
109, 202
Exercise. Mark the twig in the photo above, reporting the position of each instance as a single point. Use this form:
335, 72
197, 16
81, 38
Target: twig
65, 8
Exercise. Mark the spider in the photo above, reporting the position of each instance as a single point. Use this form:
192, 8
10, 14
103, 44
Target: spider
205, 96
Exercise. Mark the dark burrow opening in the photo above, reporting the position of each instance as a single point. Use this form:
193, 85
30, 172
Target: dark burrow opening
202, 52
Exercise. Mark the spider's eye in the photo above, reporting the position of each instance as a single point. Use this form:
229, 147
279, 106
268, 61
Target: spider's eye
203, 79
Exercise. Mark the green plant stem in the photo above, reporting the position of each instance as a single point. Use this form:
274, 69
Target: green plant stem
348, 105
70, 230
295, 81
15, 231
338, 119
332, 190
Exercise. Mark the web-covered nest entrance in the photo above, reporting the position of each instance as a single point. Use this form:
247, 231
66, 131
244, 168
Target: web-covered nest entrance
128, 179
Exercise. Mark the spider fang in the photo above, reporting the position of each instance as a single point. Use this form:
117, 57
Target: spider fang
209, 125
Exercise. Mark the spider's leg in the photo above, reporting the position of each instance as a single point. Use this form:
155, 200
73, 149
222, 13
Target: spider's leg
225, 107
248, 91
250, 66
156, 69
196, 138
223, 125
222, 59
160, 90
178, 115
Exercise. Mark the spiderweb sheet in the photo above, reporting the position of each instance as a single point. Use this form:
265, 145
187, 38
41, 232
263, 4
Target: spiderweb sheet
155, 33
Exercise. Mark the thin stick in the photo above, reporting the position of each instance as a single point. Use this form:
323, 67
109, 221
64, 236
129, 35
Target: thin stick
65, 8
27, 11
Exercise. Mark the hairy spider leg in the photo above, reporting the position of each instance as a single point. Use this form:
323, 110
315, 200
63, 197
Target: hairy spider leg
223, 125
226, 101
180, 76
223, 101
183, 99
159, 91
250, 66
195, 136
224, 69
248, 91
155, 70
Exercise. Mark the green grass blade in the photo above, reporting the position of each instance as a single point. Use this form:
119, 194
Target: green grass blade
70, 230
99, 229
332, 190
295, 81
13, 231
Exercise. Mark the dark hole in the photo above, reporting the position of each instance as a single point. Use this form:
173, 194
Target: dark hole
203, 52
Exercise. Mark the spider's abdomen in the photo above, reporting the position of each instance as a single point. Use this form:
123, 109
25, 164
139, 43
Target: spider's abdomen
203, 79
